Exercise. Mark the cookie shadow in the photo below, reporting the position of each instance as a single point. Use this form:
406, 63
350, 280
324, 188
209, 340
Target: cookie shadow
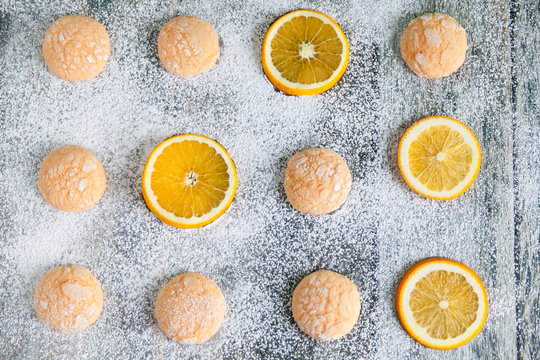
285, 298
398, 28
152, 31
149, 314
279, 175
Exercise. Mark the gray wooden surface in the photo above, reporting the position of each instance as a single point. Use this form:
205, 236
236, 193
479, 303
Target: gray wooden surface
261, 248
525, 42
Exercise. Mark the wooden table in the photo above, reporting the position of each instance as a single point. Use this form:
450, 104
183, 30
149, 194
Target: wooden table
261, 248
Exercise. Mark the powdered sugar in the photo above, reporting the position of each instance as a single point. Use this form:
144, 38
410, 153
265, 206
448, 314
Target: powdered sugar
260, 249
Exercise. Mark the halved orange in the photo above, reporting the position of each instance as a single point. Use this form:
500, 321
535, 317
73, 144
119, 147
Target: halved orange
441, 303
304, 52
189, 181
439, 157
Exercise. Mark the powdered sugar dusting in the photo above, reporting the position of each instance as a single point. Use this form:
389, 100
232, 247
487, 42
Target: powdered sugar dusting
260, 249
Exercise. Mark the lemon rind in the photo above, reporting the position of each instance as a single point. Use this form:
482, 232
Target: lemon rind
407, 285
412, 133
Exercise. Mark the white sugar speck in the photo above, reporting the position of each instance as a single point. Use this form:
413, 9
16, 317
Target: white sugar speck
89, 166
82, 184
261, 247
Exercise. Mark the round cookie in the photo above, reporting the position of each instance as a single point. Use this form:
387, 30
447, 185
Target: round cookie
317, 181
68, 298
76, 47
434, 45
190, 308
187, 46
71, 179
326, 305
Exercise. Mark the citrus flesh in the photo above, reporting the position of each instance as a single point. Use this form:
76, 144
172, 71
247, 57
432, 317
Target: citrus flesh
304, 53
189, 181
439, 157
441, 303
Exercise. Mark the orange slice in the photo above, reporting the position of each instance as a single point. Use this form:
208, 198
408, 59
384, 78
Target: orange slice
439, 157
189, 181
304, 53
441, 303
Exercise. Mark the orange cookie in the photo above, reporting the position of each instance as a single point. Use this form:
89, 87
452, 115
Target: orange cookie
190, 308
68, 298
187, 46
317, 181
71, 179
434, 45
76, 47
326, 305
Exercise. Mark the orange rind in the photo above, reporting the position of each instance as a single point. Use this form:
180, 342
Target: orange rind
189, 181
304, 52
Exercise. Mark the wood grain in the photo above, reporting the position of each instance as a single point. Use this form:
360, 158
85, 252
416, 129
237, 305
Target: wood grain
384, 229
476, 227
525, 36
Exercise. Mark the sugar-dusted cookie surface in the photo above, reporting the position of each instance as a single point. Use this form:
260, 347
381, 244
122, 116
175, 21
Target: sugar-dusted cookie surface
190, 308
71, 178
317, 181
434, 45
68, 298
326, 305
76, 47
188, 45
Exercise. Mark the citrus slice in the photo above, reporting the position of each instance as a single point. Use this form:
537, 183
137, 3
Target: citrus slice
304, 53
441, 303
189, 181
439, 157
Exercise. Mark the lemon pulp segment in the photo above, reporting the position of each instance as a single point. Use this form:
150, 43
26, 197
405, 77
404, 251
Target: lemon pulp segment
444, 303
441, 303
439, 158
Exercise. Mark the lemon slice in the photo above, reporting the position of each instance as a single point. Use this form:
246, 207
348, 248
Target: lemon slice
189, 181
439, 157
441, 303
304, 53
